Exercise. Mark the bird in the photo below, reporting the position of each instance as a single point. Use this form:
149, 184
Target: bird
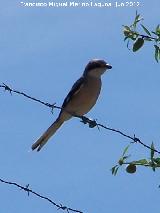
80, 99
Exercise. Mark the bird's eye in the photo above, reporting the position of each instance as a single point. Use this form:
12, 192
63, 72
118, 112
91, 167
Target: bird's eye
94, 66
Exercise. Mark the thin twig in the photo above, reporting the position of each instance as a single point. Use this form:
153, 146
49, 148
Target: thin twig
85, 120
28, 190
139, 164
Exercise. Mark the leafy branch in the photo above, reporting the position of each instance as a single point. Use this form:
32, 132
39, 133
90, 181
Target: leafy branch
138, 39
131, 166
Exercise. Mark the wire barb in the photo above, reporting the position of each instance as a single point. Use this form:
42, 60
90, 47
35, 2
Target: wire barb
28, 190
92, 123
7, 88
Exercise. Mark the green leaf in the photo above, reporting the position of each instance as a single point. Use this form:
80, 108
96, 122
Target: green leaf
158, 30
157, 47
154, 33
152, 165
145, 29
154, 169
125, 150
125, 38
138, 44
126, 28
126, 31
121, 161
125, 157
152, 151
142, 162
136, 20
115, 170
128, 44
157, 161
157, 53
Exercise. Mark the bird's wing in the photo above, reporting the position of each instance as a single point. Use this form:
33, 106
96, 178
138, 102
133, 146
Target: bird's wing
74, 90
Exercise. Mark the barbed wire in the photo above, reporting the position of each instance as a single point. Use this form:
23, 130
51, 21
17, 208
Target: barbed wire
28, 190
92, 123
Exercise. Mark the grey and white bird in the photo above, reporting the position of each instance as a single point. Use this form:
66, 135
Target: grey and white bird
81, 98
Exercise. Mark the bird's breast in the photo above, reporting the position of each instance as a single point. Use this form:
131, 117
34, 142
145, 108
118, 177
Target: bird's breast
86, 97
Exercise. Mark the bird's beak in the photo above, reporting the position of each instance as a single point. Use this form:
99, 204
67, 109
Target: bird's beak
108, 66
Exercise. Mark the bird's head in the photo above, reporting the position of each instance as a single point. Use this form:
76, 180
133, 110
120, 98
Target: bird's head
96, 67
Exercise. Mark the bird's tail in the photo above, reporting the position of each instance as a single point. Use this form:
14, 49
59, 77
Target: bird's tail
46, 135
